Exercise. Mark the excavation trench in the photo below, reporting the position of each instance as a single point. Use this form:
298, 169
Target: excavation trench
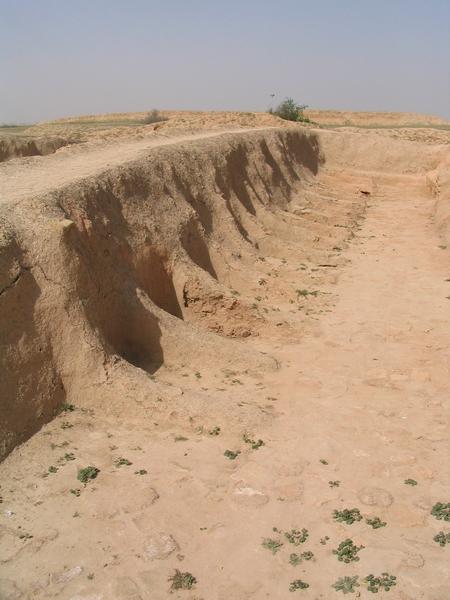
145, 263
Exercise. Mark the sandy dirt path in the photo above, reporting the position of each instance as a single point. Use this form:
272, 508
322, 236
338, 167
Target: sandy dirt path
369, 395
358, 407
37, 175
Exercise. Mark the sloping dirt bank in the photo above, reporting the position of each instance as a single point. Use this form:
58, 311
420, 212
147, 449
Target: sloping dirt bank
205, 295
133, 266
109, 271
20, 146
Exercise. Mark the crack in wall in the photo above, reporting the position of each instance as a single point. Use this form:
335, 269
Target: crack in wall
15, 280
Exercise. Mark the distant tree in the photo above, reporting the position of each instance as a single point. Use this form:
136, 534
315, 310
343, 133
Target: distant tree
291, 111
154, 117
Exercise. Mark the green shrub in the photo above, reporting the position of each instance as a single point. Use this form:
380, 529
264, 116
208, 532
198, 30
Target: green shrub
346, 584
231, 454
272, 545
289, 110
347, 551
182, 581
442, 538
84, 475
154, 117
376, 523
441, 511
123, 462
298, 584
348, 515
383, 582
255, 444
296, 537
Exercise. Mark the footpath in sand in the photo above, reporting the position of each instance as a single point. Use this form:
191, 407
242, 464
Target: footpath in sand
356, 417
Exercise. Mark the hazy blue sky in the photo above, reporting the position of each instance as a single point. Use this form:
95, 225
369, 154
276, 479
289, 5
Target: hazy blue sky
68, 57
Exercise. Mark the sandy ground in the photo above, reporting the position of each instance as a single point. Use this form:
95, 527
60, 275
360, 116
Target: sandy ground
25, 177
322, 117
46, 137
358, 405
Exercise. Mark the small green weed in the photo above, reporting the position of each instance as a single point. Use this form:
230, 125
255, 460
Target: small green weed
255, 444
76, 492
347, 551
123, 462
66, 425
296, 559
180, 438
231, 455
67, 408
305, 293
346, 585
214, 431
182, 581
23, 535
298, 584
52, 469
68, 456
410, 482
442, 538
153, 116
88, 473
384, 581
324, 540
272, 545
61, 445
348, 515
334, 484
323, 461
296, 537
441, 511
376, 523
141, 472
